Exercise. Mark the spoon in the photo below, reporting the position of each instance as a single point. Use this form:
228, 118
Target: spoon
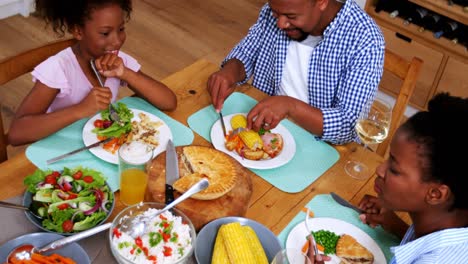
30, 209
25, 251
140, 228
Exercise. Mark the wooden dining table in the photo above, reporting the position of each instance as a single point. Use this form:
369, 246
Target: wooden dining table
268, 205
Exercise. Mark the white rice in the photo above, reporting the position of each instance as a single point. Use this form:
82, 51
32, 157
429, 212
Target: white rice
179, 242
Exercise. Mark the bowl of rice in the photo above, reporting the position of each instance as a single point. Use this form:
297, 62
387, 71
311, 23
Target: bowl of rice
169, 237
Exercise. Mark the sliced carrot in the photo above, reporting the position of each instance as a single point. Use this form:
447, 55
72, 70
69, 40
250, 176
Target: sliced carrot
311, 214
305, 247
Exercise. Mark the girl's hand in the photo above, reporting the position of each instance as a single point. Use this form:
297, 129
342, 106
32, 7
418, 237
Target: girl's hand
97, 100
320, 259
110, 65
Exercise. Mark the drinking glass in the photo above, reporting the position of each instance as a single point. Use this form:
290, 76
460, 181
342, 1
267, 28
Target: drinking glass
291, 256
133, 158
371, 127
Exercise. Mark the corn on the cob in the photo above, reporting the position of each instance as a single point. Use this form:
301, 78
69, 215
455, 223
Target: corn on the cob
236, 243
255, 245
251, 139
219, 253
238, 121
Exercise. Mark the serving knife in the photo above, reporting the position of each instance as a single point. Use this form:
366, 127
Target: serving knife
172, 171
78, 150
345, 203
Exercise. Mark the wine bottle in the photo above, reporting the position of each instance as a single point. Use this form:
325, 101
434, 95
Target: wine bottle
429, 22
448, 29
416, 15
399, 8
383, 5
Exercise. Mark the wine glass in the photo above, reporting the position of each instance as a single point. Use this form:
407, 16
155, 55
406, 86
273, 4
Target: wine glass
291, 256
371, 127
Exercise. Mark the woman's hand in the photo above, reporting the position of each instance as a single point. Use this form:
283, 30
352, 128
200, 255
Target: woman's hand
110, 65
375, 215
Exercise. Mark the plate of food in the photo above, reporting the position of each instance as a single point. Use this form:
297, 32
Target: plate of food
135, 125
265, 149
73, 252
342, 241
67, 201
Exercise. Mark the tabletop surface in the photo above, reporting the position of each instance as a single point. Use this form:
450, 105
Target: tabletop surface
269, 205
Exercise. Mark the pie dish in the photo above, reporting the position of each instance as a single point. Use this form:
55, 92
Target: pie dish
204, 162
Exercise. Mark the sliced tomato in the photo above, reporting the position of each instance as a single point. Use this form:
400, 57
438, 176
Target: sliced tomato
67, 226
77, 175
72, 196
56, 174
167, 251
50, 179
88, 179
99, 123
63, 206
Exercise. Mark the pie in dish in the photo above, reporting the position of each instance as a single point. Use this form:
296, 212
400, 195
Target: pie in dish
203, 162
351, 252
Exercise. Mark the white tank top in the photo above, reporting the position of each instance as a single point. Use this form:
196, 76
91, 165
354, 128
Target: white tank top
295, 71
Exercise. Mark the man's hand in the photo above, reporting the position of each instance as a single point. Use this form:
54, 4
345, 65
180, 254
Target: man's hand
97, 100
269, 112
220, 85
110, 65
375, 215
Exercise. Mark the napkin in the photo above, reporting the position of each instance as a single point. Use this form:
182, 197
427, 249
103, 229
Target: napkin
323, 205
312, 158
70, 138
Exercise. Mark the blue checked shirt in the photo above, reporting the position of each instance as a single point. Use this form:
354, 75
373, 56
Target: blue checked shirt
344, 70
445, 246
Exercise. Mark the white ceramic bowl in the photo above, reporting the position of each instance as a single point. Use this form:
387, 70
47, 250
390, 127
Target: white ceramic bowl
207, 236
123, 221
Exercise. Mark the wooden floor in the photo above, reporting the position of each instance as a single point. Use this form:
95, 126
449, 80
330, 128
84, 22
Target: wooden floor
164, 36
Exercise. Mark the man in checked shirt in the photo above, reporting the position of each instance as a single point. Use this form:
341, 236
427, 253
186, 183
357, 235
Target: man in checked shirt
321, 59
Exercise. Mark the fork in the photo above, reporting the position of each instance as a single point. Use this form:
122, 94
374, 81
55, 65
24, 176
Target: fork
318, 257
112, 113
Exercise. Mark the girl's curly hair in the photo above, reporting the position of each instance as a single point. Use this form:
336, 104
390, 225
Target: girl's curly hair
63, 15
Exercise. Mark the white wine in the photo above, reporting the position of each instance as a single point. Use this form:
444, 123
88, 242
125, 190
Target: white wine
371, 131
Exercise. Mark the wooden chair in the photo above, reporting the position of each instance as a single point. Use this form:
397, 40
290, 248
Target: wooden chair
408, 72
15, 66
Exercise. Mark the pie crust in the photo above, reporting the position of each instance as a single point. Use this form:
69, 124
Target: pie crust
204, 162
350, 251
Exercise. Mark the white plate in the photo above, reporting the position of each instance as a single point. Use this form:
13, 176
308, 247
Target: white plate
297, 236
289, 148
89, 137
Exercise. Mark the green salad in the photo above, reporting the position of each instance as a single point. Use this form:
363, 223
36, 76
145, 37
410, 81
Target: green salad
71, 200
105, 127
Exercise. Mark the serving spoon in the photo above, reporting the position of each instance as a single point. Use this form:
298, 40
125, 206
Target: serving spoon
30, 209
139, 229
24, 252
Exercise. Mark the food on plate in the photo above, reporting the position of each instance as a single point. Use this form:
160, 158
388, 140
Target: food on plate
42, 259
237, 244
327, 240
166, 240
204, 162
250, 144
352, 252
145, 131
71, 200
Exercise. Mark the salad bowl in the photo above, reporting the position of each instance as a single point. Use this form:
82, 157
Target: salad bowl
69, 201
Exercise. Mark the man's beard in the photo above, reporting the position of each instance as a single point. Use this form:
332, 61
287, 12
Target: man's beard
303, 35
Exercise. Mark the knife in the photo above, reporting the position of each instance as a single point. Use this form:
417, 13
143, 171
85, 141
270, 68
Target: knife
222, 123
78, 150
345, 203
172, 170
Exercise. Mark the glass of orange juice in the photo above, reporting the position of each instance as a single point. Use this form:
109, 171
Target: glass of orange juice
133, 158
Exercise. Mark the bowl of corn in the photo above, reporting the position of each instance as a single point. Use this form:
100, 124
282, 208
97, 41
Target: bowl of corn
236, 240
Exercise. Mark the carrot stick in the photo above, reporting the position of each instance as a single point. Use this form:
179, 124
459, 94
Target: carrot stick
305, 247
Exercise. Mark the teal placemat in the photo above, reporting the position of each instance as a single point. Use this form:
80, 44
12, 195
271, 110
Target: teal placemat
324, 206
312, 157
70, 138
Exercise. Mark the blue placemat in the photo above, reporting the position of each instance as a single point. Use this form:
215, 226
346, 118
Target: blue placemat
70, 138
324, 206
312, 158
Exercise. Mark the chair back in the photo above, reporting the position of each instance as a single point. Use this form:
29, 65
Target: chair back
15, 66
408, 72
